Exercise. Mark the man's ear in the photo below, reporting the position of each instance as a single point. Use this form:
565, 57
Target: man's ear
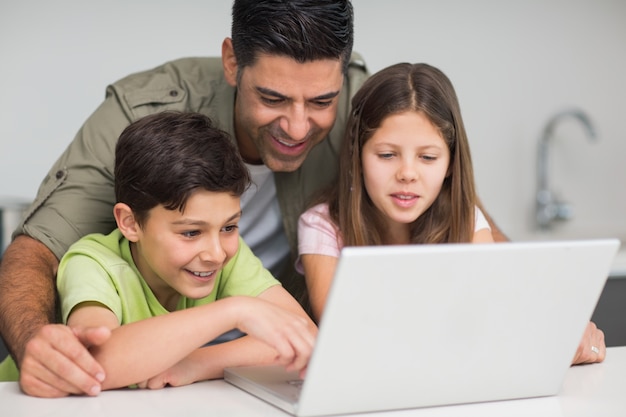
229, 62
126, 221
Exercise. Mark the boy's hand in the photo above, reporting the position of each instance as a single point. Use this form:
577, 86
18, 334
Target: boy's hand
289, 334
185, 372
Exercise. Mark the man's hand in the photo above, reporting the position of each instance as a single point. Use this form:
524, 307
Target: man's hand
592, 347
57, 362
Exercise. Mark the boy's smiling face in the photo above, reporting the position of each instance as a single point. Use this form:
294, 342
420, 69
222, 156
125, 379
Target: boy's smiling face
181, 253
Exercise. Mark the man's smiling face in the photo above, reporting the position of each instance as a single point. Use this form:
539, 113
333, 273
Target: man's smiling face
284, 108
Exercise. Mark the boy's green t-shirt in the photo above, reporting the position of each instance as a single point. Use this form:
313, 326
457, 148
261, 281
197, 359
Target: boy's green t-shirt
100, 268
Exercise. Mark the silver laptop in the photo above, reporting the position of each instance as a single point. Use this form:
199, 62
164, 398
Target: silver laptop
428, 325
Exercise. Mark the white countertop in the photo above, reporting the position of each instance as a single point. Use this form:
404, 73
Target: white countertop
589, 390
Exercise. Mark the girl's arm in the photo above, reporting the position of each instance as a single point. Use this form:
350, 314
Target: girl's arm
482, 236
138, 351
496, 233
483, 231
319, 247
319, 271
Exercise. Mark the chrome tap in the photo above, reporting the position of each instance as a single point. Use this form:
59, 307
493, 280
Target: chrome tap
548, 207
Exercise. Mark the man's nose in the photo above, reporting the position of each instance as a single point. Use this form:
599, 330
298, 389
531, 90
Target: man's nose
296, 123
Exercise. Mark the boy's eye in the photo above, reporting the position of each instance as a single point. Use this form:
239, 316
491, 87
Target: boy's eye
191, 233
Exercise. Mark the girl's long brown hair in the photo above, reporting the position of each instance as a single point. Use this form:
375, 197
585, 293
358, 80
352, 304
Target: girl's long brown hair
397, 89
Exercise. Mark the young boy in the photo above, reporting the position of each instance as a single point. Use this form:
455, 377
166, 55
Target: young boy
178, 182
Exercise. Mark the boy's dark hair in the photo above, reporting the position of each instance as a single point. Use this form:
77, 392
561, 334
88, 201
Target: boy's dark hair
304, 30
164, 157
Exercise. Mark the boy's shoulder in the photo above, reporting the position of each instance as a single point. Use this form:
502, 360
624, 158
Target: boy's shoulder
244, 274
99, 245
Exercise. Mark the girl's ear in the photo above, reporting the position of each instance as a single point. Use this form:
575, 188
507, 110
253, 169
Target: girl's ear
229, 62
126, 221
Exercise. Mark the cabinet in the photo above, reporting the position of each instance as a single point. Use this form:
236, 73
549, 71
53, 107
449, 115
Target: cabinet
610, 312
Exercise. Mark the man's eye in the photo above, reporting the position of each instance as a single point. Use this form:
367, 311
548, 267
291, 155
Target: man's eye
271, 101
323, 104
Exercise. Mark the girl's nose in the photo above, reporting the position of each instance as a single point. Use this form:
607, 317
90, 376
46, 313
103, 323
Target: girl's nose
408, 172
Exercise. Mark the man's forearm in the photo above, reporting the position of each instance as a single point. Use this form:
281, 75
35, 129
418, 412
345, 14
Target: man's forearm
27, 292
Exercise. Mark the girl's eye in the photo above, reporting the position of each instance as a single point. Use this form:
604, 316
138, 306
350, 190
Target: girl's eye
429, 157
385, 155
230, 228
191, 233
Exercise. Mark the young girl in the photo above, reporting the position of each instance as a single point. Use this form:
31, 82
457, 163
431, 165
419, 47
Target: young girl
405, 176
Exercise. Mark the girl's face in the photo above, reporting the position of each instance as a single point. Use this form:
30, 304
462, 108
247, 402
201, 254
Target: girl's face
404, 165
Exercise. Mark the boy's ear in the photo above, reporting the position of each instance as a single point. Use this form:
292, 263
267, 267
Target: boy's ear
126, 221
229, 62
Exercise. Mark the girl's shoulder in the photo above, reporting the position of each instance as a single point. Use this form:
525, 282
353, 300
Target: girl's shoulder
317, 218
316, 212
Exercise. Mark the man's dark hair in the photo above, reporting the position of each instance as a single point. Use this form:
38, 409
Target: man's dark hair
164, 157
304, 30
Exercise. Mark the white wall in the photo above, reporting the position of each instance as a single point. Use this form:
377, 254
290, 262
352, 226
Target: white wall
513, 64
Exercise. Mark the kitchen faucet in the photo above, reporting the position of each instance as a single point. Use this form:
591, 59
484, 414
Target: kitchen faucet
548, 207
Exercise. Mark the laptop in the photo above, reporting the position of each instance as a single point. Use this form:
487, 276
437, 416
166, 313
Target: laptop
429, 325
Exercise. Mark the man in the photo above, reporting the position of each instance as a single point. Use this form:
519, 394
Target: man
277, 92
282, 92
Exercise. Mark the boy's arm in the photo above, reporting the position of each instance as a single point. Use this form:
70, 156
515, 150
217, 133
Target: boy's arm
209, 362
138, 351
